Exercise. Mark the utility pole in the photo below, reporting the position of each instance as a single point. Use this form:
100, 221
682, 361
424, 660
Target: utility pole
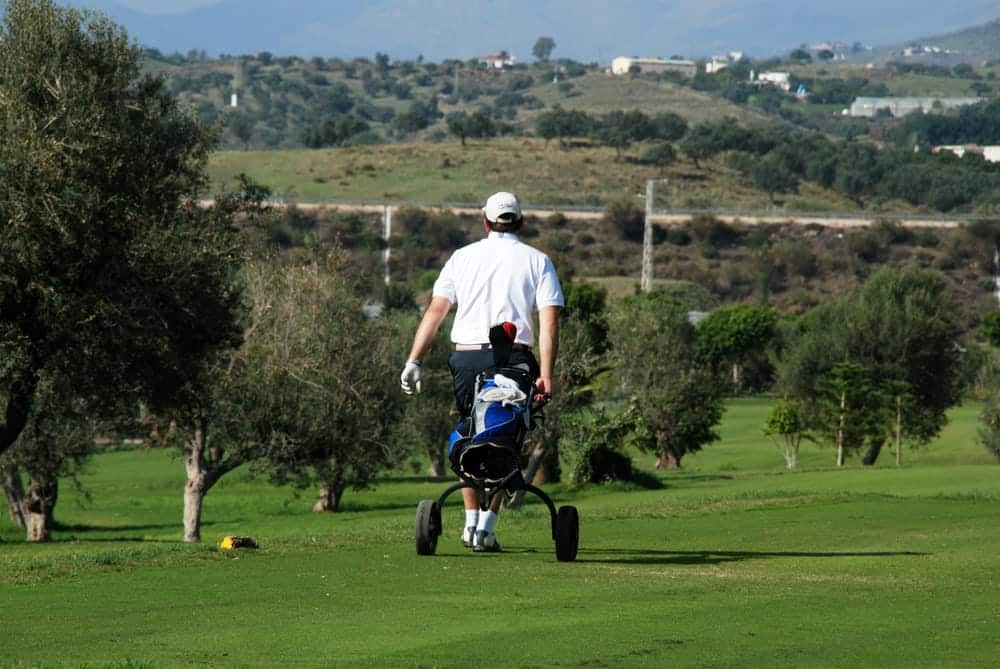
386, 233
646, 280
996, 272
899, 428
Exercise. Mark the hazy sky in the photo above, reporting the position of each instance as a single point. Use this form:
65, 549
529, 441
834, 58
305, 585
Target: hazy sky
157, 7
588, 30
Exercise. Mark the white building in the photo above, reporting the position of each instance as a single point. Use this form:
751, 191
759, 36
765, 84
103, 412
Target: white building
624, 64
497, 60
715, 64
868, 107
781, 80
990, 153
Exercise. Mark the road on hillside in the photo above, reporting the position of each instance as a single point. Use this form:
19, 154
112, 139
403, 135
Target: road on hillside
830, 220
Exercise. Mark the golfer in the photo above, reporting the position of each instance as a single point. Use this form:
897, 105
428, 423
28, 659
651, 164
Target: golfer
497, 279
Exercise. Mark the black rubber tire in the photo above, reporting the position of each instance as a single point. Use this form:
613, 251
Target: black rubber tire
567, 533
427, 527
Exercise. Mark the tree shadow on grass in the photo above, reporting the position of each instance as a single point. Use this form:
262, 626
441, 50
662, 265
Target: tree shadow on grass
76, 527
78, 533
415, 478
708, 557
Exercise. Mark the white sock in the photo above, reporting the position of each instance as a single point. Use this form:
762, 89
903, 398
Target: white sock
487, 521
471, 517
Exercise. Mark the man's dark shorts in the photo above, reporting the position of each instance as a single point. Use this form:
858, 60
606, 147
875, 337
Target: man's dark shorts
466, 365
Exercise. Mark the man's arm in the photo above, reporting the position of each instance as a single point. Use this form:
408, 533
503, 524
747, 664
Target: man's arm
548, 347
429, 324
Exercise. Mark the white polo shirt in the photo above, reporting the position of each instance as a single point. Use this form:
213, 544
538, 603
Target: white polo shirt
494, 280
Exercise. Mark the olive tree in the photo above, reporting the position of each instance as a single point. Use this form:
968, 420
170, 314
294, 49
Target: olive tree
332, 380
430, 415
738, 336
543, 48
56, 441
989, 426
583, 345
303, 398
786, 422
110, 281
892, 344
678, 394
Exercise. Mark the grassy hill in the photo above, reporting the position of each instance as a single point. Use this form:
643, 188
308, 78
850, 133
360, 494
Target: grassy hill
599, 93
541, 174
281, 98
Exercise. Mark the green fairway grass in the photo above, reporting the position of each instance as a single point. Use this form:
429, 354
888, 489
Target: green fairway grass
733, 562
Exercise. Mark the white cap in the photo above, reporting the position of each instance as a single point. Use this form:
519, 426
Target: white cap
499, 204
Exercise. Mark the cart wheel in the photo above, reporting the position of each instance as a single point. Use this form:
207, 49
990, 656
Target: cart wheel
428, 527
567, 533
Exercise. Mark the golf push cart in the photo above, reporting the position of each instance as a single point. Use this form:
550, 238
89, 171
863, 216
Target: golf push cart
486, 448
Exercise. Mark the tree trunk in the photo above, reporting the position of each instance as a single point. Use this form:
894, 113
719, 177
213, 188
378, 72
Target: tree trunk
874, 448
331, 489
542, 466
899, 429
200, 478
329, 498
436, 467
840, 431
13, 489
668, 459
39, 505
194, 496
549, 470
543, 463
530, 472
791, 457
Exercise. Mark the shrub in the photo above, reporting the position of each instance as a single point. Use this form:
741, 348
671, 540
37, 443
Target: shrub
741, 161
596, 446
989, 426
677, 236
868, 245
892, 232
990, 327
601, 464
984, 230
561, 242
556, 220
925, 237
797, 258
299, 219
625, 220
757, 239
659, 154
418, 228
426, 280
354, 230
708, 250
399, 298
707, 228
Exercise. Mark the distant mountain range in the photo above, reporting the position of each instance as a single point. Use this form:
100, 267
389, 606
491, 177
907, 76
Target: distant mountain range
972, 45
585, 30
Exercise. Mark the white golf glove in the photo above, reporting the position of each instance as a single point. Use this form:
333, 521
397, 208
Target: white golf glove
409, 380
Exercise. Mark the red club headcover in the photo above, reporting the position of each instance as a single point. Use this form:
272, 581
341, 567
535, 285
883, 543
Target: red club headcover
510, 329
